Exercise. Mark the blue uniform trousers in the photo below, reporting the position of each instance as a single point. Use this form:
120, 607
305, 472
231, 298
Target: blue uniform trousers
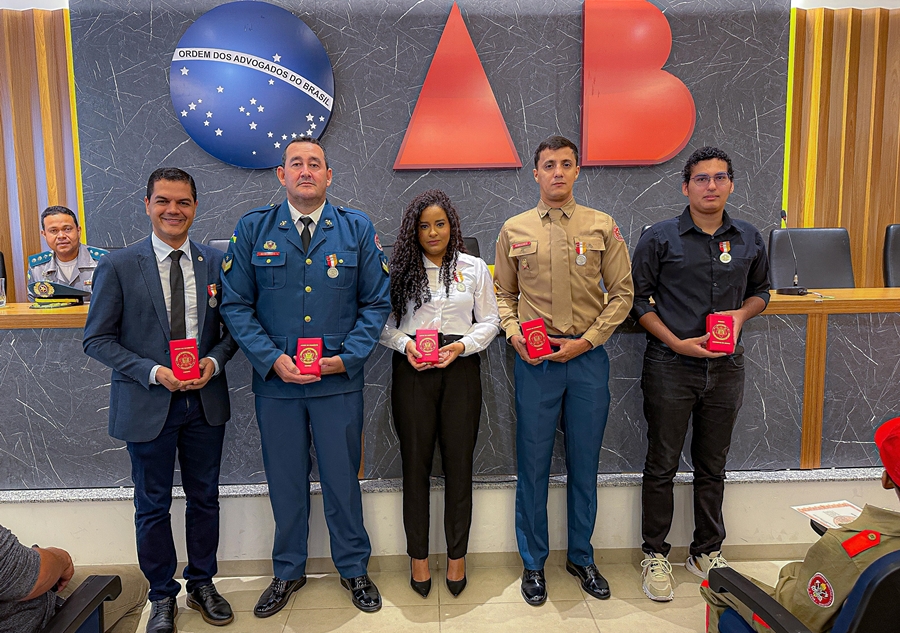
336, 424
199, 449
580, 390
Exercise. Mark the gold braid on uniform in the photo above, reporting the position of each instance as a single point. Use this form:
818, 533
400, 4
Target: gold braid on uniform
408, 279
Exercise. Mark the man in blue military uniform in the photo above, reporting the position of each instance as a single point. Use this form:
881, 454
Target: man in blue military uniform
307, 269
68, 261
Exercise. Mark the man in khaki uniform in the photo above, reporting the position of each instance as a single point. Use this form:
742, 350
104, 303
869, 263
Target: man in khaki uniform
814, 589
549, 265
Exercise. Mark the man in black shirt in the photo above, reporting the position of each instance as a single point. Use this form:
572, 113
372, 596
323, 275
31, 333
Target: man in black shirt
693, 265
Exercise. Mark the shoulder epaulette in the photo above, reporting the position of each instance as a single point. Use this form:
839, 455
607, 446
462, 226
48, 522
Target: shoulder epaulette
97, 253
346, 210
40, 258
263, 209
858, 543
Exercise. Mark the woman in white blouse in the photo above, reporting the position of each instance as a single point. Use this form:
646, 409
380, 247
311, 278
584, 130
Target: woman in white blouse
436, 285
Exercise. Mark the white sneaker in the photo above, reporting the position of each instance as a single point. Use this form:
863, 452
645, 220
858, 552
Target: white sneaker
700, 565
657, 577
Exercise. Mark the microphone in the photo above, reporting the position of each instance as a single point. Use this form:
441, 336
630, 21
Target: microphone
796, 289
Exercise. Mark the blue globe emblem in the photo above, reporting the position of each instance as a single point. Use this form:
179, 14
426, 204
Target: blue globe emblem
246, 78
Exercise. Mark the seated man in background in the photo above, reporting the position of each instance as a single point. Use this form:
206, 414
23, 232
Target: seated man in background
68, 261
815, 588
32, 580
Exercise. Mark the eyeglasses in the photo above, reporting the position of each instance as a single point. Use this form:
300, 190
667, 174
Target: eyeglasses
66, 230
703, 179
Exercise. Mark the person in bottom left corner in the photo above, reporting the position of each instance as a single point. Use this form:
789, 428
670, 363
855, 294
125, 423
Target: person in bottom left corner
161, 289
34, 581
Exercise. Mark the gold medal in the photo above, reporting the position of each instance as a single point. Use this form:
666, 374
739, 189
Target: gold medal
332, 272
460, 282
725, 247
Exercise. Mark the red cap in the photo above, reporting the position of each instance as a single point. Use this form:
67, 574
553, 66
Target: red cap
887, 439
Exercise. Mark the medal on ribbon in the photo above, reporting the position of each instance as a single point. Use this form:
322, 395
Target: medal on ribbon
211, 291
460, 283
580, 258
725, 247
331, 261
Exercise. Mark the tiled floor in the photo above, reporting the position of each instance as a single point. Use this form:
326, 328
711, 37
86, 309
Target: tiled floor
490, 603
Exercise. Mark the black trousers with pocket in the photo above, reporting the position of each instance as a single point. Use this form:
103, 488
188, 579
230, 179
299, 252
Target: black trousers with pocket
442, 405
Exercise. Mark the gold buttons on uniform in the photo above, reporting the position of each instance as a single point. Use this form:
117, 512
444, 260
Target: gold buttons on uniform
268, 261
340, 261
307, 319
308, 262
872, 537
308, 289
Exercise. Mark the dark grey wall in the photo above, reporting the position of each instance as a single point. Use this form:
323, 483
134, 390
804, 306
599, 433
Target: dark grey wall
731, 54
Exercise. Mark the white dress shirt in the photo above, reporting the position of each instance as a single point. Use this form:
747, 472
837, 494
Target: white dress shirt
315, 215
164, 265
451, 314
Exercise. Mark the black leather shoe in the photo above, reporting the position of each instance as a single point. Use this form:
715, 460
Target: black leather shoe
162, 616
591, 580
363, 593
534, 587
276, 595
213, 608
421, 587
455, 587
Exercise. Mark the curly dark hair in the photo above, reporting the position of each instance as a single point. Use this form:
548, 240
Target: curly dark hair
705, 153
408, 279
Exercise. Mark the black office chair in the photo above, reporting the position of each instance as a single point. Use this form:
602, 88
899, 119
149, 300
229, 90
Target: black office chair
873, 605
472, 246
221, 245
81, 612
820, 258
892, 256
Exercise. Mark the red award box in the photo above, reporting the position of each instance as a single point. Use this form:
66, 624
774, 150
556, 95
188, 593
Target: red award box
309, 351
535, 333
427, 344
185, 358
721, 333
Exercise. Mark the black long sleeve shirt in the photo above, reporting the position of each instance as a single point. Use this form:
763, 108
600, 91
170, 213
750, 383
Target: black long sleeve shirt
681, 267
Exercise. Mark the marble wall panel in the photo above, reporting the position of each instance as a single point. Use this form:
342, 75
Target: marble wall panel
732, 55
862, 370
55, 401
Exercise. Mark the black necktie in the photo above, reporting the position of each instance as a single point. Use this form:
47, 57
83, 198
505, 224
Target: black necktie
306, 236
176, 286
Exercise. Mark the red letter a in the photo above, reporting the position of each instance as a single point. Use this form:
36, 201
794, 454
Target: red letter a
457, 123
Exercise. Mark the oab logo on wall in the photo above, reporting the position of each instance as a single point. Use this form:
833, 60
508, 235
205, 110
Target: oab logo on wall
246, 78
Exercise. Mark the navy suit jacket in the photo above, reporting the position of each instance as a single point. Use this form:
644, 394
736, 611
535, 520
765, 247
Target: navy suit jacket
127, 329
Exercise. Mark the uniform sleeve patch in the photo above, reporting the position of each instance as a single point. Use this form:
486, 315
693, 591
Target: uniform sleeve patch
226, 262
858, 543
820, 591
378, 242
384, 265
618, 234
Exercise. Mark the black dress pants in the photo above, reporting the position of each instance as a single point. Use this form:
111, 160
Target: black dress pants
707, 393
442, 405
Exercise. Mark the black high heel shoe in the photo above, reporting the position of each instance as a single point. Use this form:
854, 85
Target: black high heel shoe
456, 587
421, 587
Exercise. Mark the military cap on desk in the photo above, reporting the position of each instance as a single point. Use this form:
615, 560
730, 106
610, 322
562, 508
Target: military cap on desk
52, 294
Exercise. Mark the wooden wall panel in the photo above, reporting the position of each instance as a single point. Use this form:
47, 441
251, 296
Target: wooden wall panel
37, 135
844, 158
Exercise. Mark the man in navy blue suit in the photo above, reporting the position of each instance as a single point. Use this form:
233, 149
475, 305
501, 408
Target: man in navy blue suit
307, 269
165, 288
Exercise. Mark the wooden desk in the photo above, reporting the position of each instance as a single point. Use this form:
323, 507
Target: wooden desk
20, 316
817, 309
